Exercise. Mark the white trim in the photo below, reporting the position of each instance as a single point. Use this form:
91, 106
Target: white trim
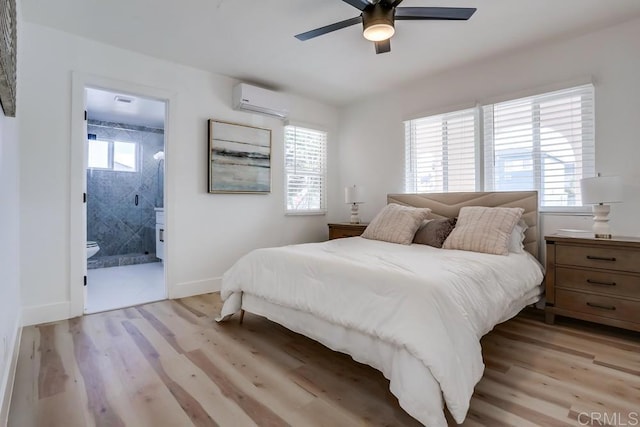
301, 213
77, 210
196, 287
6, 386
36, 314
436, 111
540, 90
306, 125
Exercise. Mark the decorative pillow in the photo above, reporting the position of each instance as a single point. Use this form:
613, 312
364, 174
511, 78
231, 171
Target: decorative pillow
434, 232
483, 229
517, 237
396, 224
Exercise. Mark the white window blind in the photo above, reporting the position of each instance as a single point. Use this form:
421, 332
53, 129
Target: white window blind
441, 152
543, 142
305, 170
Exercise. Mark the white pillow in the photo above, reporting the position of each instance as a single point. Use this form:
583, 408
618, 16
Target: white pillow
517, 237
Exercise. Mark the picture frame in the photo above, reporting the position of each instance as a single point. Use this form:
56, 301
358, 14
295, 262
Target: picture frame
8, 57
239, 158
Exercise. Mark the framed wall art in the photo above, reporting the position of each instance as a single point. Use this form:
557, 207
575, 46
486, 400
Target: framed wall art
239, 158
8, 57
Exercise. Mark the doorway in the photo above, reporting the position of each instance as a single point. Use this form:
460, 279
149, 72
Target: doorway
125, 157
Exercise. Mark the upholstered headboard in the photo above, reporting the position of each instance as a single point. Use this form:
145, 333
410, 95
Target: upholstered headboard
447, 205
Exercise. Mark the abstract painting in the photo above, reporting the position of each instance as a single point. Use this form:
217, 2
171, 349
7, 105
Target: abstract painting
8, 57
239, 158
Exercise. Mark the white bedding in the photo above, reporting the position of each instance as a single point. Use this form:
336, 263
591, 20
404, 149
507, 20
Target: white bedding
432, 304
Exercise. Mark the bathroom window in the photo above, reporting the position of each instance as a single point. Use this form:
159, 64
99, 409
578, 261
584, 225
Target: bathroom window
98, 154
124, 156
113, 155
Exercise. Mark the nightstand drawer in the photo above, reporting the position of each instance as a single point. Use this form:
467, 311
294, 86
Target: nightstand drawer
606, 258
616, 284
340, 230
339, 234
598, 305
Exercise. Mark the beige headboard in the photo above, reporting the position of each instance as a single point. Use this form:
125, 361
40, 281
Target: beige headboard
447, 205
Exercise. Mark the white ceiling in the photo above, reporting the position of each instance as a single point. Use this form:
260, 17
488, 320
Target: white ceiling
101, 105
252, 40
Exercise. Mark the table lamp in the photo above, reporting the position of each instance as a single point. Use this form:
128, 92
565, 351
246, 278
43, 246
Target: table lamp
353, 196
599, 191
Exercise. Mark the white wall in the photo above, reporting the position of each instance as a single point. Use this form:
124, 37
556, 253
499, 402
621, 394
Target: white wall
206, 232
372, 135
9, 257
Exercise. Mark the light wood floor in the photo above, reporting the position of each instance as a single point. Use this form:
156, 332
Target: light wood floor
170, 364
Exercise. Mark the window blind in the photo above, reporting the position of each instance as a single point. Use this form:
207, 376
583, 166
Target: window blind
543, 142
441, 152
305, 170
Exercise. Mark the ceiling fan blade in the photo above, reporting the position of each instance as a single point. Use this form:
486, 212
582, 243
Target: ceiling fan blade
446, 13
358, 4
393, 3
329, 28
383, 47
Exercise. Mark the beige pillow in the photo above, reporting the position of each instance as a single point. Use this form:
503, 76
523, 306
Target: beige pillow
483, 229
396, 224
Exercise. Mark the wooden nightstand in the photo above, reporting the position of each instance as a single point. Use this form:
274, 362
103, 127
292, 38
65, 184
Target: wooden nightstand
345, 229
594, 279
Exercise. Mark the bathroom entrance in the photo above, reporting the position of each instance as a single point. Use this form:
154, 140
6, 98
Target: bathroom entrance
125, 153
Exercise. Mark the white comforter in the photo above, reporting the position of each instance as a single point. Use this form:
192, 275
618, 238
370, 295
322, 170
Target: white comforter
435, 303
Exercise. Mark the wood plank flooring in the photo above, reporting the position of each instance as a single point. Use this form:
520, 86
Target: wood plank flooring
169, 364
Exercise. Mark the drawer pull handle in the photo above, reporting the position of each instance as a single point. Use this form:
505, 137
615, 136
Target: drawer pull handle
595, 282
600, 258
604, 307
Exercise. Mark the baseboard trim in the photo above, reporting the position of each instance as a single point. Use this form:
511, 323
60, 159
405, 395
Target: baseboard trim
36, 314
6, 387
197, 287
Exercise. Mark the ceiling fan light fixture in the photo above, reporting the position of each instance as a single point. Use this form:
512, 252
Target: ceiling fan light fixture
378, 32
377, 23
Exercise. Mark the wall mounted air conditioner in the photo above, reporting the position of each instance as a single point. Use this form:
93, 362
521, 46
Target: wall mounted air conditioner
259, 100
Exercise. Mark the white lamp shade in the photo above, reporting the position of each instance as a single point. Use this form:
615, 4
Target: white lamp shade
353, 194
601, 189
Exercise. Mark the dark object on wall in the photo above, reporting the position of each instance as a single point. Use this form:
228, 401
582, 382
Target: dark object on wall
239, 158
8, 57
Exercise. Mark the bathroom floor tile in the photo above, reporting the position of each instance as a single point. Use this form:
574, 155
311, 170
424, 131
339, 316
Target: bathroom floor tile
124, 286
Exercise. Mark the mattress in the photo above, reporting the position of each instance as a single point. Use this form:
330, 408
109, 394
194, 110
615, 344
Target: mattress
414, 312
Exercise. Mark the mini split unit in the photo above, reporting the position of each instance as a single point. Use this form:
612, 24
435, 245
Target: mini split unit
258, 100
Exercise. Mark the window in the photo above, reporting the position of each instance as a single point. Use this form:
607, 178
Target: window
305, 170
113, 155
98, 154
441, 153
543, 142
124, 156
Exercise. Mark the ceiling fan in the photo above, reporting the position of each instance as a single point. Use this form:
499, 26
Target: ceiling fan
378, 18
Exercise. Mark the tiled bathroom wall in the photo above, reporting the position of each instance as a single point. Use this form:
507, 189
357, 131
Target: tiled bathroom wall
125, 232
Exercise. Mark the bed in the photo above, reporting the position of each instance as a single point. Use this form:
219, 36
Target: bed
414, 312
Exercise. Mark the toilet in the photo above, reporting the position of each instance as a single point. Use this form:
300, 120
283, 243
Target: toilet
92, 249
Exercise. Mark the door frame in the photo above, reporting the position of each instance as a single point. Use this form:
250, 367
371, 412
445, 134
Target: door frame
78, 177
